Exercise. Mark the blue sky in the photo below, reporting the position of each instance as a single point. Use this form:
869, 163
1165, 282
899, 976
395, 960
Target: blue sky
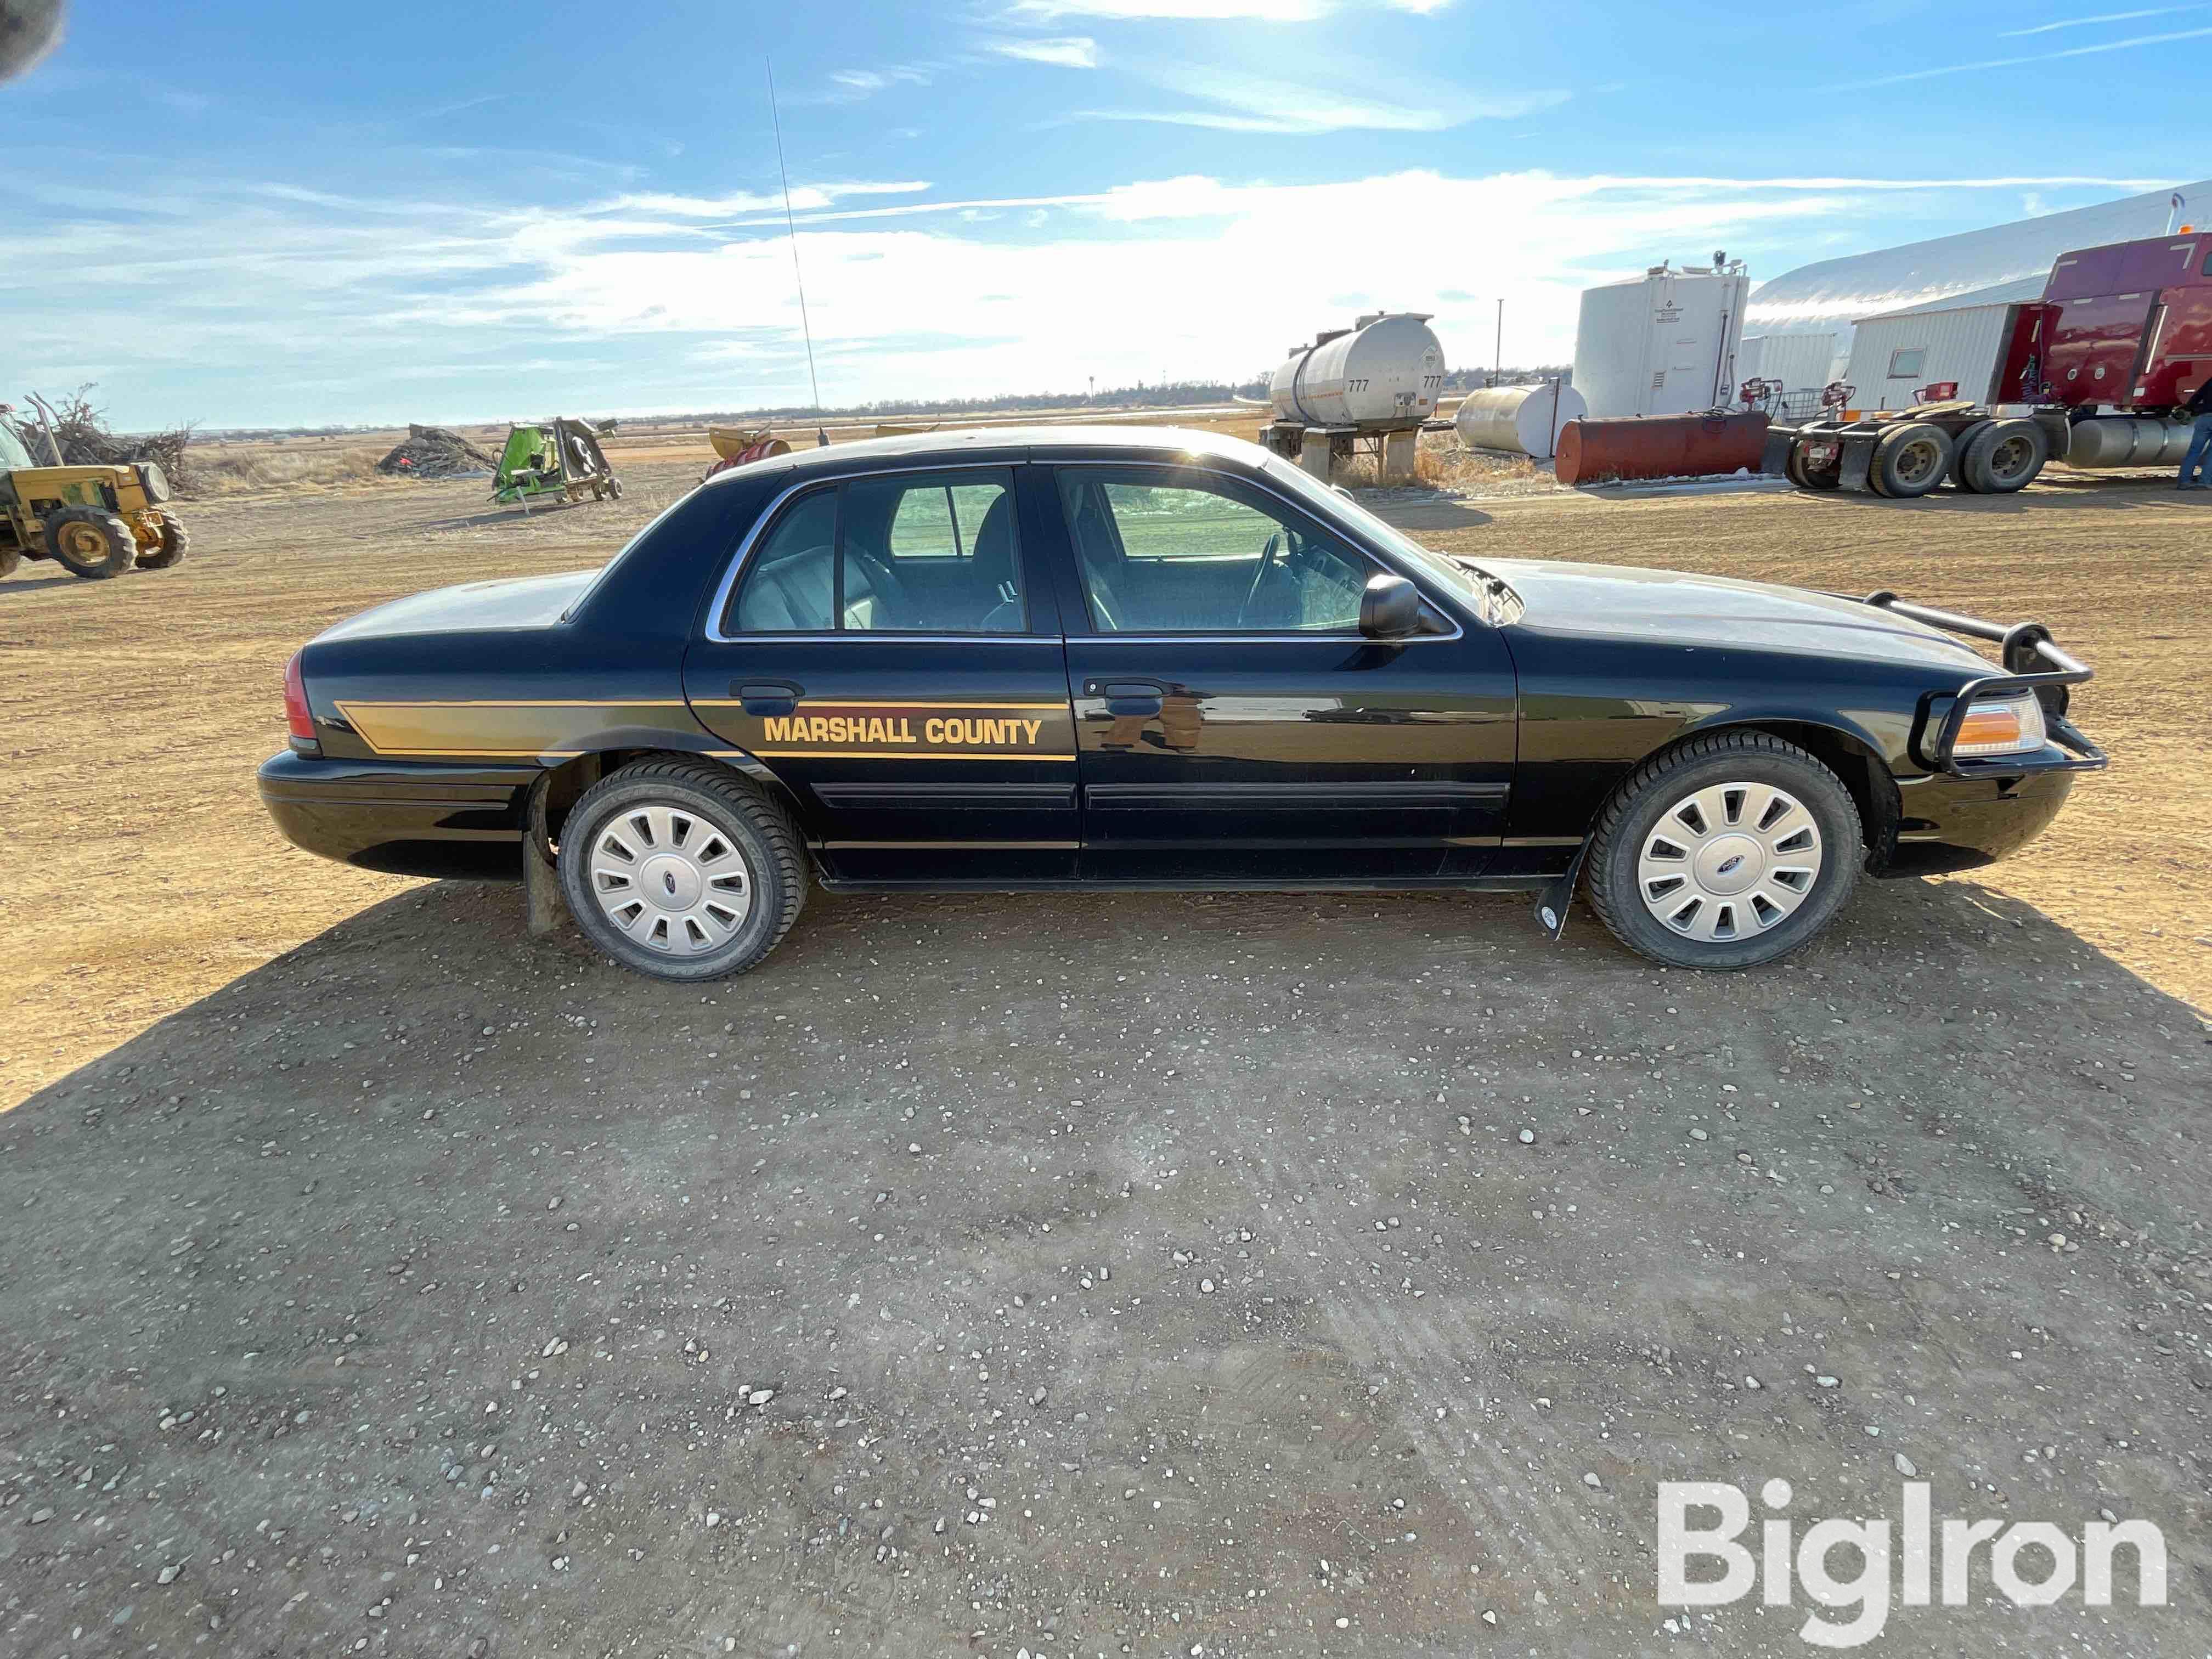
265, 213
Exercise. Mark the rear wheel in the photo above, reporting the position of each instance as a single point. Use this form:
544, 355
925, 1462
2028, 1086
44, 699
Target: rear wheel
679, 869
1912, 459
90, 542
1726, 852
175, 544
1960, 443
2004, 456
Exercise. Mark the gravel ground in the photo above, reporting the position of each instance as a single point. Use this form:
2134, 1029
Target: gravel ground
1157, 1274
1152, 1274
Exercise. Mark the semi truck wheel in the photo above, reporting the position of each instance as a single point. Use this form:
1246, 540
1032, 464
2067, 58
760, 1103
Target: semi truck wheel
1912, 460
1960, 442
2004, 456
88, 542
175, 544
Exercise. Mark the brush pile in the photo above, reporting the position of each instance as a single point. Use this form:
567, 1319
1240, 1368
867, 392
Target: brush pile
432, 452
82, 432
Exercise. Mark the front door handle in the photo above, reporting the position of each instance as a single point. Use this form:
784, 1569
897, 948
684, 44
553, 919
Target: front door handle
767, 697
1129, 699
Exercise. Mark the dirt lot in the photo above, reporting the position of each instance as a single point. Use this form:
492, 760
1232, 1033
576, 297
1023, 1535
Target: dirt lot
1160, 1275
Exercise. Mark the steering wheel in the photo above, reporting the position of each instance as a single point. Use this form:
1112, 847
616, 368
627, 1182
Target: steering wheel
1267, 554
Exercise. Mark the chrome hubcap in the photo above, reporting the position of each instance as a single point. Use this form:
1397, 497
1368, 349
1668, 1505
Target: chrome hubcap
1729, 862
671, 879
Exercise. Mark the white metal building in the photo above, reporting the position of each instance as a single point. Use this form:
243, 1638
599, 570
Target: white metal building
1894, 355
2001, 263
1802, 363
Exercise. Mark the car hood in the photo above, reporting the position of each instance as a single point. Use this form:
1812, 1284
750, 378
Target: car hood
1673, 607
515, 602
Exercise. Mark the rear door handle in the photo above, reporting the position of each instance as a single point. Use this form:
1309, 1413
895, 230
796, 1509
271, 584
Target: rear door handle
767, 697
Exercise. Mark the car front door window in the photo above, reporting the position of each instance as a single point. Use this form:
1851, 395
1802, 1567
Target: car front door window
1164, 554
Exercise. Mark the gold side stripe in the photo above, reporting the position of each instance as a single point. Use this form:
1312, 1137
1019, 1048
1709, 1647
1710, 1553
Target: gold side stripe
897, 755
518, 702
880, 702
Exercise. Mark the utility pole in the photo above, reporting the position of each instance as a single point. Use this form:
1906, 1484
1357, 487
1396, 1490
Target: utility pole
1497, 369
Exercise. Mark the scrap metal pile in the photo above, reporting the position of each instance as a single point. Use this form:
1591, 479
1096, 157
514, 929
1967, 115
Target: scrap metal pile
432, 452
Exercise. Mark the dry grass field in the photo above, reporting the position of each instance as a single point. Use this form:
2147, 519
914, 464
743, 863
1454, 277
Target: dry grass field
142, 873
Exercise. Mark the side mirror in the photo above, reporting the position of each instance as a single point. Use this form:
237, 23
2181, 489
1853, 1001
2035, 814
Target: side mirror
1390, 609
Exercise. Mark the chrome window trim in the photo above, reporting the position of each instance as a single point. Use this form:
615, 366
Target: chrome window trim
738, 560
723, 590
1343, 532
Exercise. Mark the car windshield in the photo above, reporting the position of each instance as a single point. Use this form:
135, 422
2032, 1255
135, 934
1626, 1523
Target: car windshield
1463, 576
13, 456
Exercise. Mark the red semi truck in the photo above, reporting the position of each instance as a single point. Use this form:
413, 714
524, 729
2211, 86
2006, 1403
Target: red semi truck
2093, 375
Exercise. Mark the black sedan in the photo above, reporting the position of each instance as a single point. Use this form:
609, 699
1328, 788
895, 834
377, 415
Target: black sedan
1055, 657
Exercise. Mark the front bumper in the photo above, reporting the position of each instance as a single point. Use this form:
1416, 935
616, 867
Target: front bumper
1950, 823
408, 818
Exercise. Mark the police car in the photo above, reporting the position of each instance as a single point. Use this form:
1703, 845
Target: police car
1054, 657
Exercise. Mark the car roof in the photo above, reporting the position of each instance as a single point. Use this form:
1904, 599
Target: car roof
1092, 442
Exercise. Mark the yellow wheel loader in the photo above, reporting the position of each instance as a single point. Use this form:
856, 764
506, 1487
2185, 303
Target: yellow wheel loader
94, 521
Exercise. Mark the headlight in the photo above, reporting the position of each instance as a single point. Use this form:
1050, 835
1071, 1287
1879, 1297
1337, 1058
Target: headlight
2001, 726
152, 481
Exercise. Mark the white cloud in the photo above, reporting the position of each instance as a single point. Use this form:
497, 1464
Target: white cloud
2015, 63
1069, 51
299, 307
1229, 100
850, 86
1272, 11
2105, 17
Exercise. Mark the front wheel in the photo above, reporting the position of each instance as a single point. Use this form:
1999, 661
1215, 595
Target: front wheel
1726, 852
679, 869
90, 542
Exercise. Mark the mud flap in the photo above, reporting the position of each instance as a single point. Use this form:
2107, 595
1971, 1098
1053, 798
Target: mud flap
543, 906
1552, 903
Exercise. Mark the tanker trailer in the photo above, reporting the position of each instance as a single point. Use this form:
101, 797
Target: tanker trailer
1370, 385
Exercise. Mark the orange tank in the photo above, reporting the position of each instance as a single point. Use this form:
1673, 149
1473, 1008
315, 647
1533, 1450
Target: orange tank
1623, 447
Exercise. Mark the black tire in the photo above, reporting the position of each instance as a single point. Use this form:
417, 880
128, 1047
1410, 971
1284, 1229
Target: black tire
666, 943
2004, 456
90, 542
1910, 459
1665, 785
175, 544
614, 488
1960, 442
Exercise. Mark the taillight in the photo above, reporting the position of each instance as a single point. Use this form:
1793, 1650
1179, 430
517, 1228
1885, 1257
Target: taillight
297, 718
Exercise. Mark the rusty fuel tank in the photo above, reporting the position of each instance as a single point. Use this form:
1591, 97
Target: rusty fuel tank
1619, 448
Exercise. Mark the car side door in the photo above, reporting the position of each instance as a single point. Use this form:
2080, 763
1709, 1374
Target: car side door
880, 643
1233, 723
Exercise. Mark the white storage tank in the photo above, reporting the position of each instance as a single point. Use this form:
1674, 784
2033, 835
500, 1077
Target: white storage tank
1663, 344
1520, 420
1382, 373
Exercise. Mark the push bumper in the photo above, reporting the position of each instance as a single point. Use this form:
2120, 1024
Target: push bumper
401, 818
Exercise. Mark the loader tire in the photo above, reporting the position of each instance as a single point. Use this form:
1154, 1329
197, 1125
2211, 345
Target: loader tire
90, 542
175, 544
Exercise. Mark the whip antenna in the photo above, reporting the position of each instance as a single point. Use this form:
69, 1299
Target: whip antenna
791, 225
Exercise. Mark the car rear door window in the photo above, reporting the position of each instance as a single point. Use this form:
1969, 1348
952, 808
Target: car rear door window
914, 553
1170, 553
